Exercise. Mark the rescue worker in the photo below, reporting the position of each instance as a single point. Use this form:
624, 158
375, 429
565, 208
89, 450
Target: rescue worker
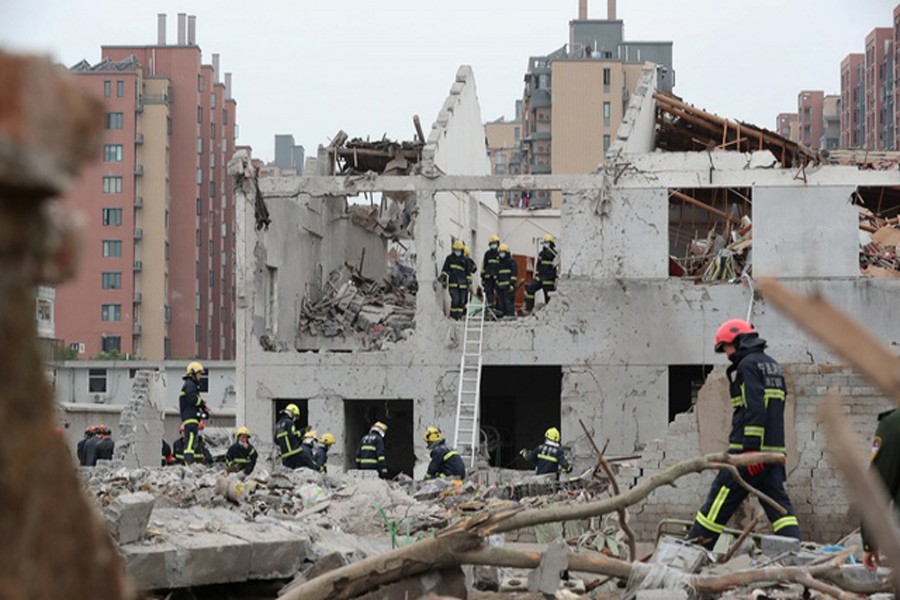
241, 455
288, 438
167, 457
371, 450
321, 453
471, 269
178, 447
758, 396
105, 445
202, 453
79, 449
90, 447
445, 461
490, 264
545, 273
885, 462
549, 456
455, 277
507, 274
308, 450
193, 410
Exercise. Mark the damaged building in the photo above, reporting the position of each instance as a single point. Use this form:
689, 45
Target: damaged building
340, 310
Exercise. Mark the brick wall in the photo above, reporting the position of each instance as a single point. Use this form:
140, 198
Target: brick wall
816, 489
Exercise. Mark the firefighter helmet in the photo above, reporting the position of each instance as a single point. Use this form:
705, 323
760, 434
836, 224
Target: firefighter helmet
552, 434
327, 439
494, 239
504, 248
311, 434
458, 245
380, 426
432, 434
242, 431
730, 330
293, 410
549, 239
193, 368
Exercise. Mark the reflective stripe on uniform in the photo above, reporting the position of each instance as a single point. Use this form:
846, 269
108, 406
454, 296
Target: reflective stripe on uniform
366, 461
190, 422
773, 394
449, 454
460, 267
717, 504
735, 446
754, 430
372, 448
737, 401
784, 522
547, 457
773, 448
707, 524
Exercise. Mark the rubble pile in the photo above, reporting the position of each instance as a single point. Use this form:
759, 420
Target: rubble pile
376, 312
879, 245
717, 258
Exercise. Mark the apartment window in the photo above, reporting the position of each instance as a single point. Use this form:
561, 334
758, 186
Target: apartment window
120, 89
199, 207
212, 100
169, 125
212, 186
517, 133
112, 153
199, 175
97, 380
112, 248
197, 302
107, 88
44, 311
606, 109
112, 343
110, 312
114, 120
199, 114
167, 312
199, 145
212, 278
196, 333
212, 130
112, 280
224, 230
225, 117
167, 250
198, 238
112, 184
607, 78
605, 144
212, 159
112, 217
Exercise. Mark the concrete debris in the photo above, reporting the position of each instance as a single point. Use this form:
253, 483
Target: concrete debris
879, 245
385, 157
128, 515
714, 258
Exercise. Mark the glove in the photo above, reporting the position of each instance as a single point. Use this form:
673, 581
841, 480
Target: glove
753, 470
523, 453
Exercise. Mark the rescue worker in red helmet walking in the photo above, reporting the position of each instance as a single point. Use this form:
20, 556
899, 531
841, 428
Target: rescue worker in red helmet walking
758, 396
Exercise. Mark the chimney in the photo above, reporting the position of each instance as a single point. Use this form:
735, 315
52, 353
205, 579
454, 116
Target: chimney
192, 30
215, 68
611, 10
228, 86
182, 34
161, 29
582, 10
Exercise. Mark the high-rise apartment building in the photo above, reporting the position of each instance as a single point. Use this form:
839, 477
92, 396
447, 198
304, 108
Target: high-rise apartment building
158, 279
853, 101
503, 145
576, 96
879, 86
787, 125
831, 122
809, 111
289, 156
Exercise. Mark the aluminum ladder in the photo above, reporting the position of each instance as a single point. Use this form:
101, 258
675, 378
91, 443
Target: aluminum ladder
467, 433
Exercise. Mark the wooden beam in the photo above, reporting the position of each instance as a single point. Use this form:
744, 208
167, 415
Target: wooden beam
703, 205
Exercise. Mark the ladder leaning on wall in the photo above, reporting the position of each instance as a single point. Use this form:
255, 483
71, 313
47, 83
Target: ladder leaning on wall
467, 432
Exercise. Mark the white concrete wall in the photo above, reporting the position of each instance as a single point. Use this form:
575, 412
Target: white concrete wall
522, 230
637, 132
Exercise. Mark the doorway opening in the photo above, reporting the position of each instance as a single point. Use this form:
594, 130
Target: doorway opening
518, 404
399, 449
684, 383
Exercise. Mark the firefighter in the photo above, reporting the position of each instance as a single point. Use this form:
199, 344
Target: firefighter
178, 447
507, 274
758, 396
445, 461
545, 273
288, 438
193, 410
371, 450
549, 456
167, 457
105, 445
490, 264
321, 453
89, 432
201, 452
90, 447
308, 450
241, 455
885, 462
456, 277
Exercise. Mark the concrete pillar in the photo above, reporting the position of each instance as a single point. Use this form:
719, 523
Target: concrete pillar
182, 31
161, 29
192, 30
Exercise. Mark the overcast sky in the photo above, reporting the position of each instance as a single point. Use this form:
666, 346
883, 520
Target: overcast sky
312, 67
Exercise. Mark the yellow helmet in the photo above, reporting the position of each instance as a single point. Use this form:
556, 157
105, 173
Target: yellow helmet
432, 434
466, 251
327, 439
494, 239
549, 238
194, 367
381, 426
552, 434
458, 245
292, 409
311, 434
504, 248
242, 431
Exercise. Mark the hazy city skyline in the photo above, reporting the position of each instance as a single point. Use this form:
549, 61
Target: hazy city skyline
309, 69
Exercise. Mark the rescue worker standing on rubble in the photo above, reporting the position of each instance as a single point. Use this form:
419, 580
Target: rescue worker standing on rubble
455, 277
308, 450
193, 410
105, 445
507, 278
549, 456
885, 462
490, 264
89, 432
241, 455
288, 438
321, 451
370, 456
545, 273
758, 396
445, 461
178, 447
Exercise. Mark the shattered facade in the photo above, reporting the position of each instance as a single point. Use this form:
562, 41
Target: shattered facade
609, 348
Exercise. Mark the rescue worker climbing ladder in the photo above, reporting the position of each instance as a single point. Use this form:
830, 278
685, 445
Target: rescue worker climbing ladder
193, 409
371, 451
757, 424
445, 461
456, 277
545, 273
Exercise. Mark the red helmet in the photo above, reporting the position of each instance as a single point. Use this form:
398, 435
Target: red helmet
730, 330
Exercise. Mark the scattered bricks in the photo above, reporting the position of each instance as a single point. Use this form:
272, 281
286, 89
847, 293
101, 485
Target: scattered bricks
128, 515
773, 545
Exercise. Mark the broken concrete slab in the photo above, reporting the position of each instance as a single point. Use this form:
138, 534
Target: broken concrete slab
128, 515
274, 551
448, 582
773, 545
206, 558
546, 577
679, 554
146, 564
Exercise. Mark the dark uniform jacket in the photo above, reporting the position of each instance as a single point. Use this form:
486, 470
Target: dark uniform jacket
241, 458
456, 271
549, 457
757, 396
167, 456
545, 267
190, 403
471, 268
200, 450
490, 264
371, 453
90, 451
79, 449
307, 458
886, 461
178, 450
320, 455
445, 462
507, 273
104, 450
287, 437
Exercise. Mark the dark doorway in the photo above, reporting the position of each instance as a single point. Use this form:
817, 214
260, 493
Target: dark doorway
302, 404
359, 415
518, 404
684, 383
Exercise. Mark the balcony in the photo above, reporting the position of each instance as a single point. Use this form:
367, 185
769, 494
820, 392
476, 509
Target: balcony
138, 233
156, 98
540, 169
136, 329
139, 202
138, 266
138, 169
138, 297
139, 138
